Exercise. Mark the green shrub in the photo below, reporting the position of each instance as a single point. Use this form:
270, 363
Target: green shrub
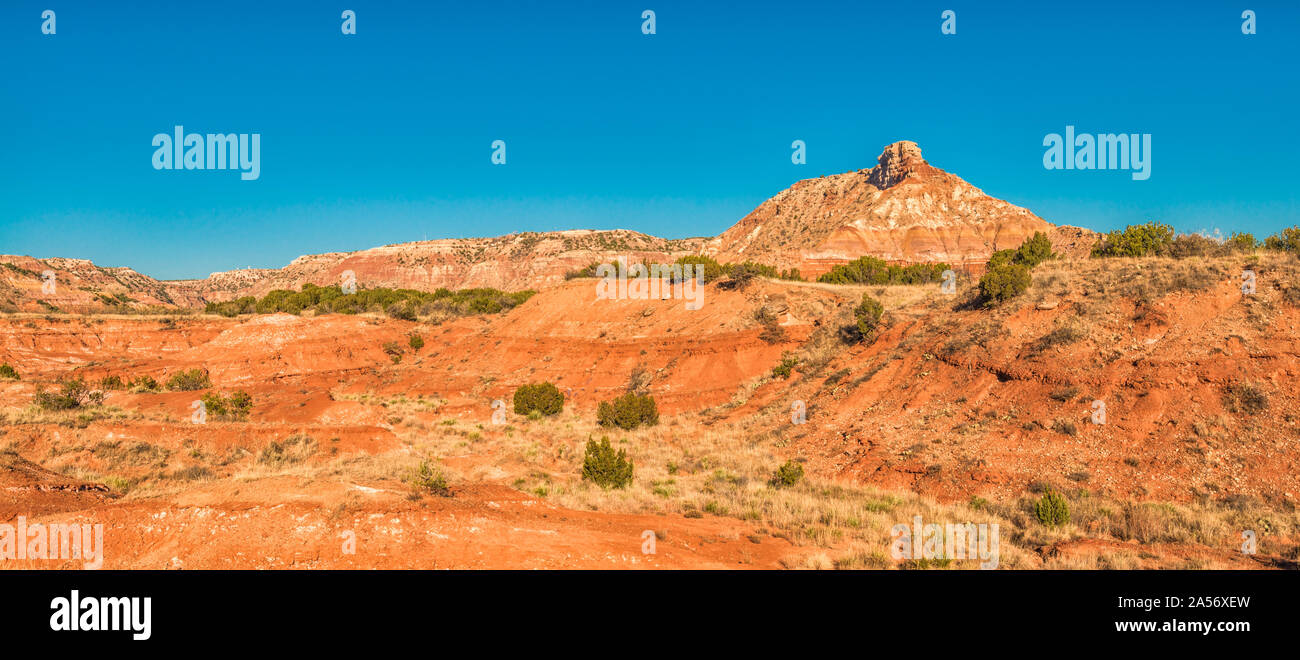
711, 268
1152, 238
235, 407
9, 373
870, 270
393, 350
294, 449
607, 469
545, 398
189, 380
406, 304
786, 367
428, 479
1035, 250
244, 305
868, 315
628, 411
416, 342
1287, 240
789, 474
71, 394
1052, 510
111, 383
1243, 242
1004, 283
144, 384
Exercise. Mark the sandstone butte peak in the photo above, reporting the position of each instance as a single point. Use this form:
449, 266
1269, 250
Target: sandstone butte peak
902, 210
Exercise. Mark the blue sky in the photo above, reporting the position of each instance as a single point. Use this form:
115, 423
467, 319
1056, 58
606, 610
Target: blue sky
384, 136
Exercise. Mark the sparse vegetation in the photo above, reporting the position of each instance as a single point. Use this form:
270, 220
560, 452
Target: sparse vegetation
1244, 398
71, 394
428, 479
867, 316
189, 380
543, 398
870, 270
1004, 282
604, 467
405, 304
235, 407
144, 384
1052, 510
7, 372
788, 474
628, 412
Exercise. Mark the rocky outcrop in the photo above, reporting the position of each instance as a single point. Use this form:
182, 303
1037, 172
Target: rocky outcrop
902, 210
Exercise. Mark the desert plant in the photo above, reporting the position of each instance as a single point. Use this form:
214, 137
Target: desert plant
1035, 250
8, 372
429, 479
788, 474
786, 367
1243, 242
628, 412
393, 350
1135, 241
1244, 398
867, 314
71, 394
1003, 283
602, 466
235, 407
189, 380
1286, 240
1052, 510
416, 342
144, 384
545, 398
111, 383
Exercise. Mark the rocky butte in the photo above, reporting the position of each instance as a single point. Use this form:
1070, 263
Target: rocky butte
902, 210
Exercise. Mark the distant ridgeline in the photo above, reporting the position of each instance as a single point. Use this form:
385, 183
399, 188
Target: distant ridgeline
407, 304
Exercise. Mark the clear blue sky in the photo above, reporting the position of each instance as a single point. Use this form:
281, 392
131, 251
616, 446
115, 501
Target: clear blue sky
385, 136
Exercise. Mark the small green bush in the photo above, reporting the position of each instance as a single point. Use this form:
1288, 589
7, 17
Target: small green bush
1035, 250
111, 383
393, 351
428, 479
607, 469
144, 384
7, 372
189, 380
1004, 282
1243, 242
786, 367
545, 398
1052, 510
789, 474
416, 342
71, 394
868, 315
233, 408
1287, 240
628, 411
1151, 238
